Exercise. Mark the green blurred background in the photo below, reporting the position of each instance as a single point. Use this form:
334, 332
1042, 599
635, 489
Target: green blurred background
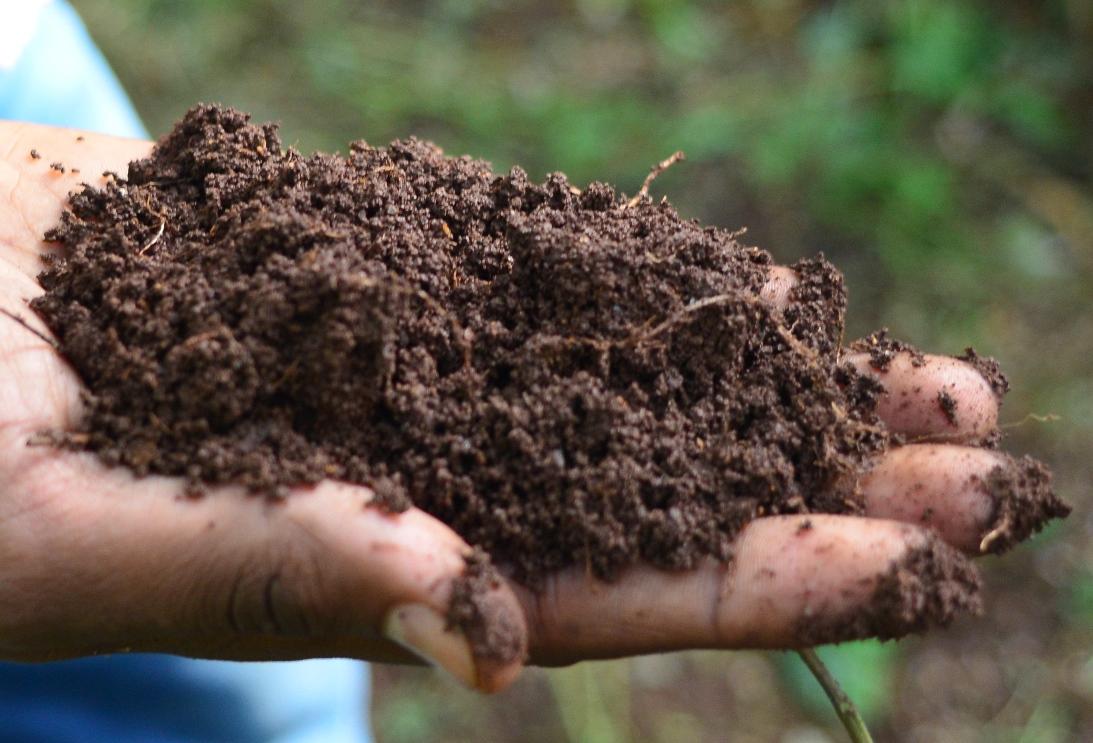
939, 152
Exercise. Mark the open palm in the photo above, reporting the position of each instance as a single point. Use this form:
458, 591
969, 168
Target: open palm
94, 560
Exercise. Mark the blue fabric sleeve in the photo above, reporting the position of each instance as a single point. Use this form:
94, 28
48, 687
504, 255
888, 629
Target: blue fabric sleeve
62, 79
166, 699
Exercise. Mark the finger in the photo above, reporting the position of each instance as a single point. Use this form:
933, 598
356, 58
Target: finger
938, 486
932, 398
792, 582
36, 191
925, 397
229, 575
977, 500
780, 282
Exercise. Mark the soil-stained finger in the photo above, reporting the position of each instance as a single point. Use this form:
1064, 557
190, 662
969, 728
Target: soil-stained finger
794, 581
933, 398
977, 500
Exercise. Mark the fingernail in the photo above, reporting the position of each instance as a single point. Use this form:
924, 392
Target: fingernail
424, 631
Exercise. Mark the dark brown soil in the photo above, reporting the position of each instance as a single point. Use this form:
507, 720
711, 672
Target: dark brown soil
475, 609
1024, 502
564, 377
882, 348
990, 370
947, 403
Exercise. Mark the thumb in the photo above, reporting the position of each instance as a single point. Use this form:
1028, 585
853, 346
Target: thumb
320, 573
354, 579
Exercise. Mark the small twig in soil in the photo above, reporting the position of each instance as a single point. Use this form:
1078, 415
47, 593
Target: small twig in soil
159, 233
57, 439
844, 708
783, 332
19, 319
695, 306
659, 168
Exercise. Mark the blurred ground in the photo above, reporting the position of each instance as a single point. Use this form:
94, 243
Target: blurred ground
939, 152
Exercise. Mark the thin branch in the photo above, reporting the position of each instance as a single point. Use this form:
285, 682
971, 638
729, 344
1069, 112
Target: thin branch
659, 168
844, 708
148, 245
672, 319
19, 319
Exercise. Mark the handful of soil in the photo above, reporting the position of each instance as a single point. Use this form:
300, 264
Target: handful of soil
563, 376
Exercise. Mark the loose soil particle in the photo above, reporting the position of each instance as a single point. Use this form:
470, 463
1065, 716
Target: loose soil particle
948, 404
882, 348
564, 376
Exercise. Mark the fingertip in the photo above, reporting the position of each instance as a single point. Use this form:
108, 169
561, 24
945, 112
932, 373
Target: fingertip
938, 486
481, 641
848, 578
927, 586
976, 499
1024, 501
780, 282
845, 578
793, 581
933, 398
484, 609
799, 578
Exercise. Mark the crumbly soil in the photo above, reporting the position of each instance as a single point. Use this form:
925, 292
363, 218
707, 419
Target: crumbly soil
564, 377
990, 370
882, 348
475, 609
1024, 502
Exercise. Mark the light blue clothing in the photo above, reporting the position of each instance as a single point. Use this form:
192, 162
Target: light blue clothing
61, 78
166, 699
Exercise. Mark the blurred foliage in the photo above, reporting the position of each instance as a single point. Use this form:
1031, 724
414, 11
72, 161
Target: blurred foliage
940, 152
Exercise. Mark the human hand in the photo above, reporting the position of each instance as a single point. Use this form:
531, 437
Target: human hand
94, 560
